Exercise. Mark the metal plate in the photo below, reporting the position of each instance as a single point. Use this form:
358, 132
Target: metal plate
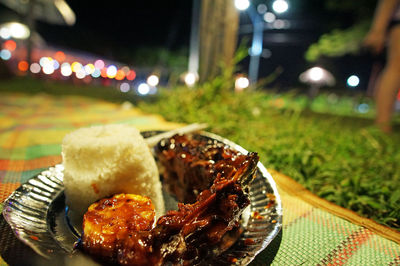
36, 212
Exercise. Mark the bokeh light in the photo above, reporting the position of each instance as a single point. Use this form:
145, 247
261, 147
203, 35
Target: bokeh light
241, 83
124, 87
66, 70
126, 70
353, 81
5, 33
103, 72
89, 69
56, 65
96, 73
60, 56
280, 6
48, 69
262, 8
131, 75
35, 68
23, 66
242, 4
99, 64
111, 71
363, 108
76, 67
316, 73
10, 45
269, 17
143, 89
120, 75
80, 74
153, 80
5, 54
190, 79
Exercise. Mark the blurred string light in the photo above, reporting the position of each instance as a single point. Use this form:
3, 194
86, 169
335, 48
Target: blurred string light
35, 68
56, 65
66, 70
99, 64
111, 71
262, 8
242, 4
269, 17
80, 74
363, 108
5, 54
153, 80
76, 67
48, 69
5, 33
190, 79
126, 70
124, 87
15, 30
60, 56
353, 81
89, 69
10, 45
143, 89
96, 73
23, 66
120, 75
103, 72
280, 6
131, 75
241, 83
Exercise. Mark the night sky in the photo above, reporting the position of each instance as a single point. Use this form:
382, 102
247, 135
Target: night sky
116, 29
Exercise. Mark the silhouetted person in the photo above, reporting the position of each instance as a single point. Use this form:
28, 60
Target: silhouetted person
385, 29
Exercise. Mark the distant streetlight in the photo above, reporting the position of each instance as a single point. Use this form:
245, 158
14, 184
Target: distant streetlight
241, 83
316, 77
242, 4
190, 79
280, 6
15, 30
353, 81
153, 80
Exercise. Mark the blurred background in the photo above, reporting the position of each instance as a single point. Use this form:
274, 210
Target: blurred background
309, 83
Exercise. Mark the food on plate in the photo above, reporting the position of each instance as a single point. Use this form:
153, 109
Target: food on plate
101, 161
190, 164
196, 231
109, 221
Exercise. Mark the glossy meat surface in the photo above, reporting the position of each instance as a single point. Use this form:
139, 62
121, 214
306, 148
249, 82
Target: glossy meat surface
217, 178
108, 222
190, 164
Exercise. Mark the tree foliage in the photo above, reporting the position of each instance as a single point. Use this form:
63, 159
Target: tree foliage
347, 40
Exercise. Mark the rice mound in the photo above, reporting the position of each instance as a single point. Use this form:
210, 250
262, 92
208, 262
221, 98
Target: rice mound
101, 161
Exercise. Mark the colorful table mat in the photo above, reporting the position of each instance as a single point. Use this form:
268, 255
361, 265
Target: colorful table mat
314, 232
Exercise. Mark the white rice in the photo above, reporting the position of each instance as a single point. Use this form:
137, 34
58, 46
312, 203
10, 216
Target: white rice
101, 161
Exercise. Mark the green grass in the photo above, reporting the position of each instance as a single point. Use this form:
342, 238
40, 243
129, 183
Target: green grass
343, 159
329, 148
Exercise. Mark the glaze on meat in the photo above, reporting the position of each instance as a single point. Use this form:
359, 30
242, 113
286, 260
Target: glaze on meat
216, 177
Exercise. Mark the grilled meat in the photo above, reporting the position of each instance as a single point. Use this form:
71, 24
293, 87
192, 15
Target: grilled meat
196, 231
190, 164
109, 221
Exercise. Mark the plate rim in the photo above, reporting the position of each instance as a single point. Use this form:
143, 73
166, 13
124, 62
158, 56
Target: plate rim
28, 240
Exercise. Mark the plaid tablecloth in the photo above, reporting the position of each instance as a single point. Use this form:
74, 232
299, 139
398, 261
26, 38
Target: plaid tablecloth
314, 232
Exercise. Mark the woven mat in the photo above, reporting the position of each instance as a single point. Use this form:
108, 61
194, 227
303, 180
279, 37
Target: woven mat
314, 232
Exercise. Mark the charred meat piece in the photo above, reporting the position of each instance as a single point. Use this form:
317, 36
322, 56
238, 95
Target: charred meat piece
190, 164
109, 221
195, 231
